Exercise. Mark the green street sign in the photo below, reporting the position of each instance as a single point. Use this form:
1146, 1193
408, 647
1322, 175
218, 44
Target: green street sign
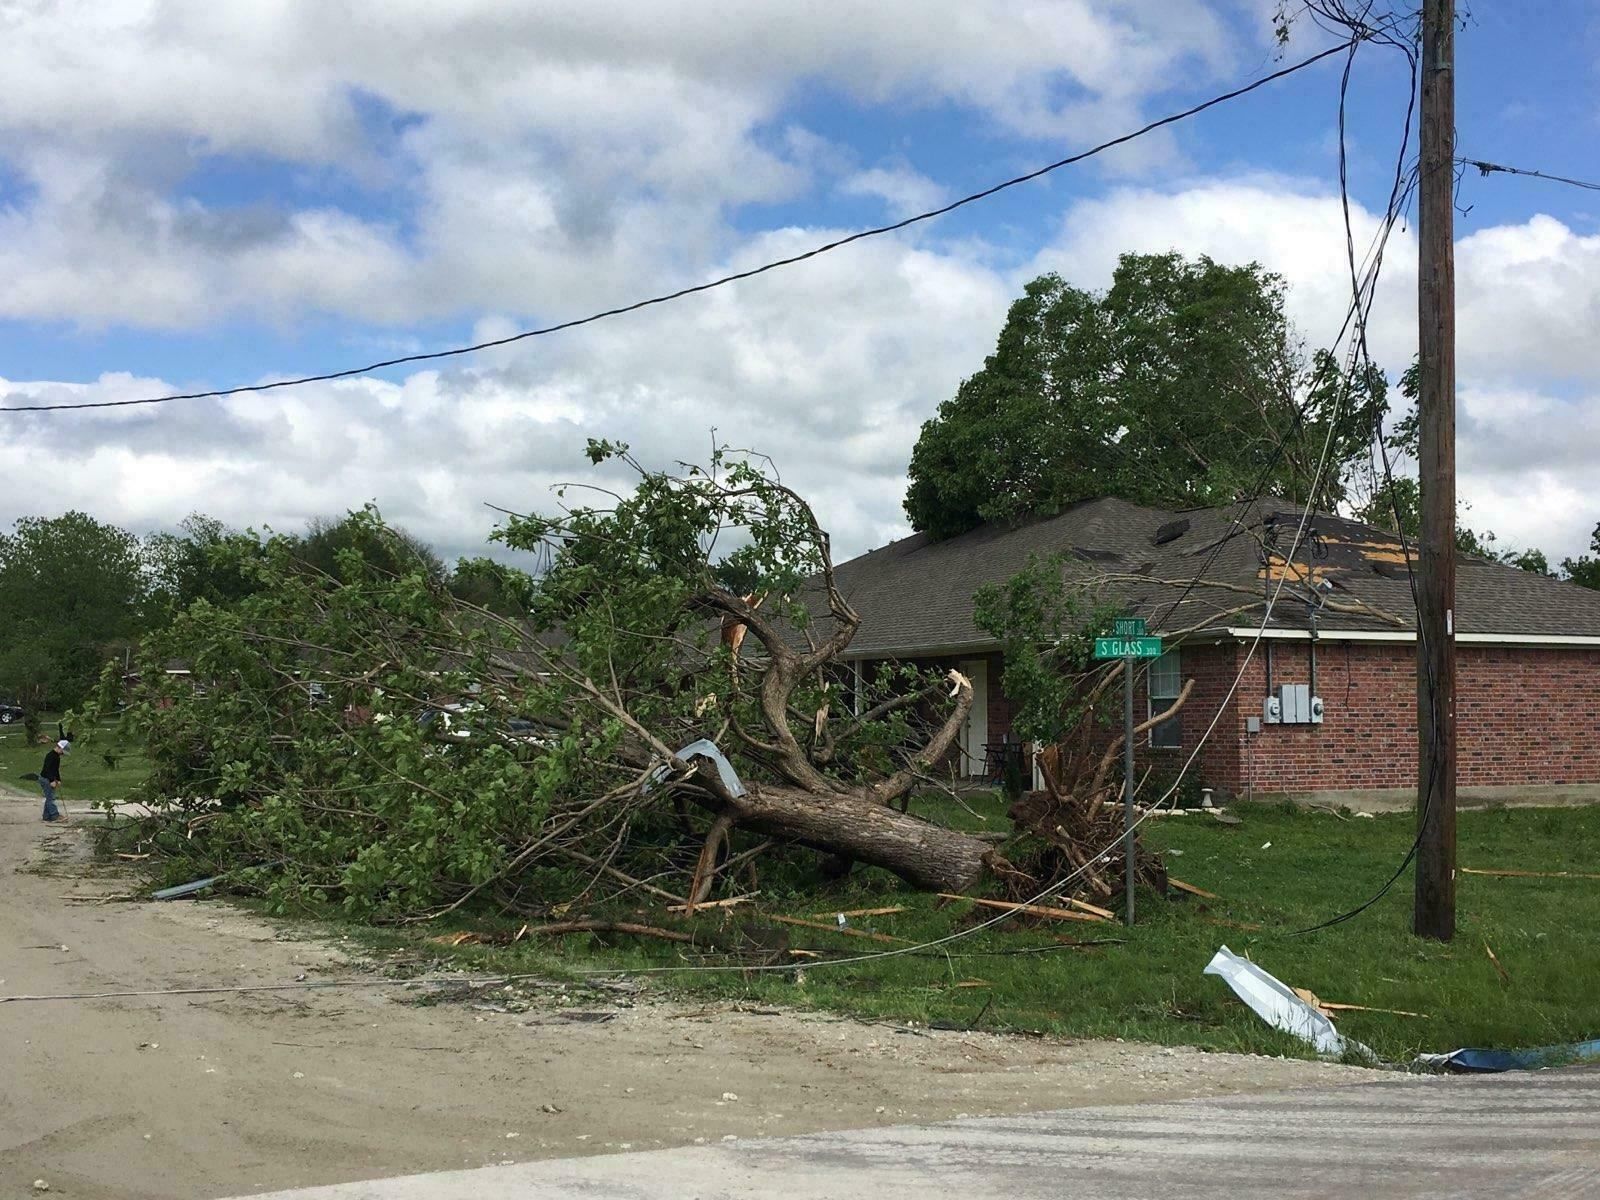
1127, 647
1128, 627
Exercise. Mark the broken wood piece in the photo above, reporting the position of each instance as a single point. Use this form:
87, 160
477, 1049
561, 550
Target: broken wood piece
864, 912
1527, 874
1085, 906
731, 902
844, 929
1499, 970
805, 953
1191, 889
132, 857
1393, 1012
464, 937
1031, 910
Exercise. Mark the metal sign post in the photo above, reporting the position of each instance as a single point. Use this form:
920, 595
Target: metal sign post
1130, 643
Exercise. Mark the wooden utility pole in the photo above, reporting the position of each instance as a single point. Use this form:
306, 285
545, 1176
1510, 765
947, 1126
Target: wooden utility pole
1434, 915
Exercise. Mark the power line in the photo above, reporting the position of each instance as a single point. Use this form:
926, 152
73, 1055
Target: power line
1489, 168
861, 235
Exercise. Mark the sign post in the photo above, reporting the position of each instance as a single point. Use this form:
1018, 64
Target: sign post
1129, 643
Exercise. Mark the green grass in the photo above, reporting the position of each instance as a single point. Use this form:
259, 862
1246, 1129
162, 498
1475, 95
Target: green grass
85, 774
1543, 932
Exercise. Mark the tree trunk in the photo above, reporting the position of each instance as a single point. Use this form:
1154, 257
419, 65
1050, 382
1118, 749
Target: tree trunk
925, 855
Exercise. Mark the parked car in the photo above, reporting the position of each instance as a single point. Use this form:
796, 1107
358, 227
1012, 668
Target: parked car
10, 713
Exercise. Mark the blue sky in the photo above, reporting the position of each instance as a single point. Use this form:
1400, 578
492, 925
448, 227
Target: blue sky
206, 196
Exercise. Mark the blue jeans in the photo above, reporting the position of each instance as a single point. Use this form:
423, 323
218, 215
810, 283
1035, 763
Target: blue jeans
51, 812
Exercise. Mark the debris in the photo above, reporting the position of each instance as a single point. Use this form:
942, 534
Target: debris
1393, 1012
1276, 1003
730, 1095
1499, 970
705, 748
40, 1185
465, 937
185, 889
1528, 874
1222, 818
858, 933
1489, 1061
733, 902
1191, 889
1266, 845
1365, 816
550, 1108
299, 1075
1030, 910
867, 912
132, 857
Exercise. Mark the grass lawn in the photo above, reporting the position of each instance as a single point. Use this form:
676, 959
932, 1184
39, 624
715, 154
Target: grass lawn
85, 774
1280, 869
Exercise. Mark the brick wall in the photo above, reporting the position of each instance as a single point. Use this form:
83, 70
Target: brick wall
1525, 716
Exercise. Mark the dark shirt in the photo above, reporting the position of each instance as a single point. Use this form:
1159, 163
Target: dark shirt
51, 771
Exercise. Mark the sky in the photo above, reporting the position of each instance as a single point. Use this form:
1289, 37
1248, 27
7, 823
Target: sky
197, 195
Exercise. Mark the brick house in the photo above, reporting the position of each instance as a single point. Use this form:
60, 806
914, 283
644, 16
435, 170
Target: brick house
1325, 707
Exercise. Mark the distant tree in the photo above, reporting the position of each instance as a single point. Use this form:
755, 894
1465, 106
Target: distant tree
492, 585
197, 563
388, 548
1585, 569
70, 592
1183, 384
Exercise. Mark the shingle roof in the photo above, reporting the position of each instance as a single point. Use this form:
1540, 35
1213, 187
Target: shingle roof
915, 595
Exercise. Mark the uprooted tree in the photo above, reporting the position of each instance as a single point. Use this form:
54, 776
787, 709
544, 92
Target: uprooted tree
362, 736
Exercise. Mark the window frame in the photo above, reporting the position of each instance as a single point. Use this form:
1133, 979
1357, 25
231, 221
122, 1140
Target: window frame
1168, 735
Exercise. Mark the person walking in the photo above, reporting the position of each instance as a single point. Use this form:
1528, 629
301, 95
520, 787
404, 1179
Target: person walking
50, 780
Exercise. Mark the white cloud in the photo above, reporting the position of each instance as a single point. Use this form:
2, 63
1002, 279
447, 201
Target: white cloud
550, 150
904, 191
831, 371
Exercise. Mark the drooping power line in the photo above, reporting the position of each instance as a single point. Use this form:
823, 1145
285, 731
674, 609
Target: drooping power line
721, 281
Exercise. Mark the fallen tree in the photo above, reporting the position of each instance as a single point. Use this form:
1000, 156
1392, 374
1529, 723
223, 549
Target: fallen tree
385, 746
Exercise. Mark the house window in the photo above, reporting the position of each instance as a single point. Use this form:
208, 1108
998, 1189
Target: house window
1164, 682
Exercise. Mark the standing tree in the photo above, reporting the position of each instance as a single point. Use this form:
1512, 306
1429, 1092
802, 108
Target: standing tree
70, 590
1585, 569
1181, 385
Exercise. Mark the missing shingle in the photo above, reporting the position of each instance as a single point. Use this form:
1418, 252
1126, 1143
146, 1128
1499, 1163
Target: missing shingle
1171, 531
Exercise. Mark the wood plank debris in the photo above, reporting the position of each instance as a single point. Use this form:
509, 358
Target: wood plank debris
731, 902
1527, 874
1191, 889
844, 929
864, 912
1030, 910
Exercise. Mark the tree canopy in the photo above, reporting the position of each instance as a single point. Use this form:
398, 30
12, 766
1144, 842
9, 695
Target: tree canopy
1183, 384
70, 588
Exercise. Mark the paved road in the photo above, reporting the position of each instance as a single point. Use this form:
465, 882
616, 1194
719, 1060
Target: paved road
1523, 1135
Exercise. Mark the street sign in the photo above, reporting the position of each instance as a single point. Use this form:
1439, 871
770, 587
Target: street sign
1127, 647
1126, 627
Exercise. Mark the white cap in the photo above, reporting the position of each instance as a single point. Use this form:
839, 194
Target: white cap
63, 744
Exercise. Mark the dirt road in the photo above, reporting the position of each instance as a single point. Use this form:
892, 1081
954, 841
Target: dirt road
216, 1095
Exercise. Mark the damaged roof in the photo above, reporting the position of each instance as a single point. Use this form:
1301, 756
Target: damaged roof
916, 595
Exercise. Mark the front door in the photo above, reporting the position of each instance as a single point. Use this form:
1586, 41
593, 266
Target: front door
975, 734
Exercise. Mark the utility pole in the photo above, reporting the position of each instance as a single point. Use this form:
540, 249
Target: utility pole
1434, 915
